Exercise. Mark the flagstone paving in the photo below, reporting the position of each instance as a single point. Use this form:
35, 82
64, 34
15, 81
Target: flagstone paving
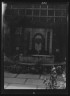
34, 82
5, 85
19, 86
14, 80
27, 81
6, 74
32, 76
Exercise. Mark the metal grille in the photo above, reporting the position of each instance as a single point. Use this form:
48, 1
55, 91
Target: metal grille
49, 12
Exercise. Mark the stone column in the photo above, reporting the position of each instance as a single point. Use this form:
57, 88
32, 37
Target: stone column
46, 40
50, 47
30, 47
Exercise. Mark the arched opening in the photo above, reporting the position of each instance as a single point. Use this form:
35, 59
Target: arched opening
38, 44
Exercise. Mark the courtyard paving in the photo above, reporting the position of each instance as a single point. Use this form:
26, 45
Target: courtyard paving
26, 81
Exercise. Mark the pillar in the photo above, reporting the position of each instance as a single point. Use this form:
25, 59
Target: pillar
46, 41
50, 47
30, 47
